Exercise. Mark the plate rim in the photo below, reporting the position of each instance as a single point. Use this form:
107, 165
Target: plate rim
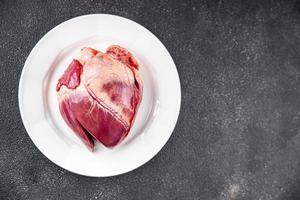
26, 65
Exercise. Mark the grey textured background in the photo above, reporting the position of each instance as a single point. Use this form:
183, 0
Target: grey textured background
238, 133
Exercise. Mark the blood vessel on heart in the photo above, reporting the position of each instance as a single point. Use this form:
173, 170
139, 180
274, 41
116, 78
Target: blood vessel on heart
99, 95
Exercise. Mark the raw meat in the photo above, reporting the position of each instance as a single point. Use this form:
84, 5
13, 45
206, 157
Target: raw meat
99, 95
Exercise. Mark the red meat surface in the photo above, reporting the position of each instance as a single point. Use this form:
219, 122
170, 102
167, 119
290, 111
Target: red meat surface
99, 95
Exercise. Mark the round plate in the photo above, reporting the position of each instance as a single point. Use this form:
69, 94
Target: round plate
38, 103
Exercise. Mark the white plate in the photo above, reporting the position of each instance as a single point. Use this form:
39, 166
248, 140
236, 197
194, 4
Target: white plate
38, 104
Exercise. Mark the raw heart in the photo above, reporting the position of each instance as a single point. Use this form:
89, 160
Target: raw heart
99, 95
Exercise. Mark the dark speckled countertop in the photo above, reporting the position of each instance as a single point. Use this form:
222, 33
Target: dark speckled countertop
238, 133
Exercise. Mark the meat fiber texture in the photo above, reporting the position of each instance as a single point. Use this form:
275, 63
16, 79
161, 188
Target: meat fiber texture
99, 95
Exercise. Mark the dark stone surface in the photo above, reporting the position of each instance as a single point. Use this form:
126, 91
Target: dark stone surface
238, 134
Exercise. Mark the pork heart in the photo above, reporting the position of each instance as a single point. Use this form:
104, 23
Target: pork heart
99, 95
